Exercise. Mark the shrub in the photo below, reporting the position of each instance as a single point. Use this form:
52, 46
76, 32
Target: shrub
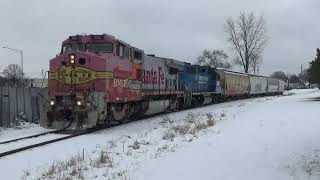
103, 159
182, 129
191, 117
200, 126
169, 135
211, 122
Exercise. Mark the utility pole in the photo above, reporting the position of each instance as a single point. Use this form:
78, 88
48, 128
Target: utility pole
301, 76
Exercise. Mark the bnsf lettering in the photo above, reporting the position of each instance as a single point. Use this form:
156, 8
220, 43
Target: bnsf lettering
120, 83
153, 76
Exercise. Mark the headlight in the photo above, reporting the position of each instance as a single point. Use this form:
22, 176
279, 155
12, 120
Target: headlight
79, 103
72, 58
52, 103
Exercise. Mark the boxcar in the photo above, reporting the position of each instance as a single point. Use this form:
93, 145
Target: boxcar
258, 85
234, 83
273, 85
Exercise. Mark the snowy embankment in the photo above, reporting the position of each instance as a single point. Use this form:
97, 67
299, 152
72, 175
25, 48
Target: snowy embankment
262, 138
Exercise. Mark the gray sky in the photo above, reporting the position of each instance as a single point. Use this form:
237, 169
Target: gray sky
178, 29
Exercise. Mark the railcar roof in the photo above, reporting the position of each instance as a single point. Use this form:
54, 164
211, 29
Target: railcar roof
231, 72
235, 72
88, 37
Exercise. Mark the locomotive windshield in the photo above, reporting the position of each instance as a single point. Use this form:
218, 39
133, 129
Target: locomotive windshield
100, 47
72, 47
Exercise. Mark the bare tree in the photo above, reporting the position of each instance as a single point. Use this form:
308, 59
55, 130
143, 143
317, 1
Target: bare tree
295, 79
13, 75
280, 75
214, 58
256, 61
248, 37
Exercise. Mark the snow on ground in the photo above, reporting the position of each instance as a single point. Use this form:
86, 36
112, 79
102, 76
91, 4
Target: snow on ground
25, 129
261, 138
301, 91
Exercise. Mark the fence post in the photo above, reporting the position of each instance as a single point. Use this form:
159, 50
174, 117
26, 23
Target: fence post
8, 93
24, 101
30, 104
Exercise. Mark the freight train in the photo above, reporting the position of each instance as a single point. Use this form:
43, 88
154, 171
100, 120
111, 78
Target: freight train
99, 79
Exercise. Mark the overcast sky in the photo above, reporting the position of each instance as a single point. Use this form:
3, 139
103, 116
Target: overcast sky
177, 29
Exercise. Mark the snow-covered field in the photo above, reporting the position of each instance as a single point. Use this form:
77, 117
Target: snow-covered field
262, 138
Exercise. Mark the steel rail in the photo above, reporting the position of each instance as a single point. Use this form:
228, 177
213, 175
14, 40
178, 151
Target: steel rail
3, 154
29, 137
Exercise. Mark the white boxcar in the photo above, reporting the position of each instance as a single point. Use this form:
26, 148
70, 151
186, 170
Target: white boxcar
258, 84
273, 85
234, 83
281, 86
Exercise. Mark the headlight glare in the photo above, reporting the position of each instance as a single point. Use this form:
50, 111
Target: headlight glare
72, 58
52, 103
79, 103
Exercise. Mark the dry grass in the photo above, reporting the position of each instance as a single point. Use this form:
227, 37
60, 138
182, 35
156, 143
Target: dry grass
103, 160
135, 145
75, 166
26, 174
307, 165
200, 126
166, 119
182, 129
194, 126
191, 117
210, 121
169, 135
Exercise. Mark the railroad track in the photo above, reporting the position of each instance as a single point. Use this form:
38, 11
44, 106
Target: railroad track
79, 133
29, 137
37, 135
14, 151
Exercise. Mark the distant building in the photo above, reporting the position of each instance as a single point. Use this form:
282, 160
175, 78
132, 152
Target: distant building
38, 82
2, 81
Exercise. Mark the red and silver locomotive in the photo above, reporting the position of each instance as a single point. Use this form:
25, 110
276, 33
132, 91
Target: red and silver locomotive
98, 79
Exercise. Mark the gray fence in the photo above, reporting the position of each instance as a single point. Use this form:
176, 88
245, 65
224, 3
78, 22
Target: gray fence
14, 101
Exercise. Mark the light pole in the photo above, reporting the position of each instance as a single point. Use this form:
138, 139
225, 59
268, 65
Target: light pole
21, 57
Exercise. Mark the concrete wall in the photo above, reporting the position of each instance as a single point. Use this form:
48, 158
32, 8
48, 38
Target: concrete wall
14, 101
